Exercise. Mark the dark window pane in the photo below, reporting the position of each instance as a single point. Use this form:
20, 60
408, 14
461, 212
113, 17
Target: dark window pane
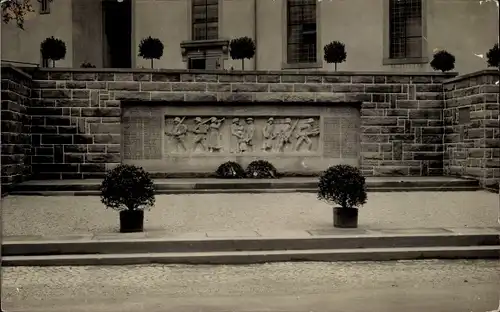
205, 17
405, 28
301, 34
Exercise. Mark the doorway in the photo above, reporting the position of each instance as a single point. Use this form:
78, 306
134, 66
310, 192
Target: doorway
117, 22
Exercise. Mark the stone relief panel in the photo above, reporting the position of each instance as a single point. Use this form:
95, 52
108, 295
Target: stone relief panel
241, 135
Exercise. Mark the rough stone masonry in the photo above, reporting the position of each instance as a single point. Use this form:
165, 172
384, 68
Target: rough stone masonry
410, 124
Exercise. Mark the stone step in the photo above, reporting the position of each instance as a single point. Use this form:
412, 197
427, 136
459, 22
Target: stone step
254, 191
251, 257
193, 186
116, 243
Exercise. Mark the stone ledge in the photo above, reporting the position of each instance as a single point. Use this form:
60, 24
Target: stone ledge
473, 75
240, 72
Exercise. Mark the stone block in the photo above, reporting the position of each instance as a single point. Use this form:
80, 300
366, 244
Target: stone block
268, 79
249, 87
166, 96
189, 86
124, 86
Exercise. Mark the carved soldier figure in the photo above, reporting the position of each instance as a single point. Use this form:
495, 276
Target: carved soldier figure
237, 132
200, 130
178, 133
213, 136
284, 134
304, 133
269, 135
249, 133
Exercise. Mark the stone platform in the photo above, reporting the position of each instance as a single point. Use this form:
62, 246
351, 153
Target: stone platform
245, 247
283, 185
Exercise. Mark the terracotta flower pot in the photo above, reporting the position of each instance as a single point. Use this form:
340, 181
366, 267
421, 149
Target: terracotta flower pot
345, 217
131, 221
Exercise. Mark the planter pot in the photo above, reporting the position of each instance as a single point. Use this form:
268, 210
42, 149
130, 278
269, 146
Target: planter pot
346, 218
131, 221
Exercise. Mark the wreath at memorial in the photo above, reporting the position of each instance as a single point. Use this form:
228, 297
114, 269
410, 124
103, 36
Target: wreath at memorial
230, 170
261, 169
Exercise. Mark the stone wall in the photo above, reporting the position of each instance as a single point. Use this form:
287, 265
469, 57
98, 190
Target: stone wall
76, 114
16, 144
472, 128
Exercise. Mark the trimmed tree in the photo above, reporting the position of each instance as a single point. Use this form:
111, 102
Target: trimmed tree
53, 49
443, 61
493, 56
241, 49
335, 53
150, 49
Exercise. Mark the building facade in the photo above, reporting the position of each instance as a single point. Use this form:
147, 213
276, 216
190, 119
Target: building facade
379, 35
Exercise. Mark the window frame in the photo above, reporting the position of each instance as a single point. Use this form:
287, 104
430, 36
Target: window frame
44, 6
207, 21
301, 62
389, 58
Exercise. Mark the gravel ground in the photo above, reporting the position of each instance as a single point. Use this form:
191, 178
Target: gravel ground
32, 286
179, 214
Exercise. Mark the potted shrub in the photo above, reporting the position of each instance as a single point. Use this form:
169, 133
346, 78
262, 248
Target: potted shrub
493, 56
335, 53
261, 169
53, 49
443, 61
345, 186
87, 65
230, 170
150, 49
129, 190
241, 49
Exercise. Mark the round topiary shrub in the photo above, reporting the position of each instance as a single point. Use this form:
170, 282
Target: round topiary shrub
335, 53
150, 49
261, 169
127, 187
342, 185
493, 56
230, 170
53, 49
241, 49
443, 61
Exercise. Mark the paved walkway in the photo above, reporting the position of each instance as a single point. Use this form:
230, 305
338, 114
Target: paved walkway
202, 213
409, 286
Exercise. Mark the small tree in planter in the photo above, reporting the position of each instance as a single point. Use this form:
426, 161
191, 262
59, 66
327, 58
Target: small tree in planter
261, 169
87, 65
493, 56
150, 49
129, 190
443, 61
345, 186
335, 53
241, 49
230, 170
53, 49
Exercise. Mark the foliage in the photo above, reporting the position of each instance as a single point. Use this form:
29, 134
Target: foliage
230, 170
493, 56
53, 49
87, 65
335, 53
241, 49
261, 169
16, 10
342, 185
127, 187
443, 61
150, 49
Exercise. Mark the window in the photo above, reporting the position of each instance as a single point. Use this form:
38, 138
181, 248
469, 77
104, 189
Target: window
205, 19
405, 27
301, 31
44, 6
